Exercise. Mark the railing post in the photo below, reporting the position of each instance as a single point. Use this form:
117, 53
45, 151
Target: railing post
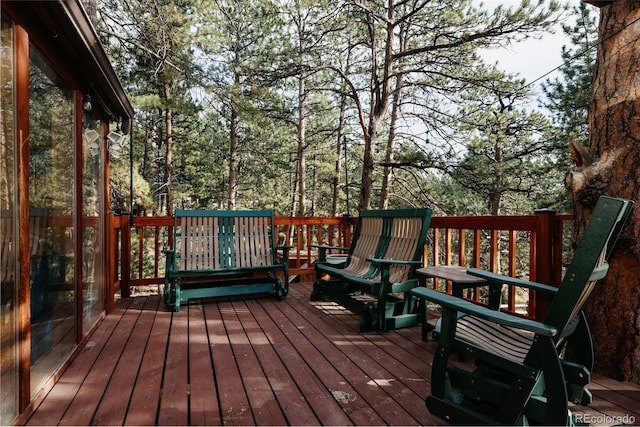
347, 231
125, 260
544, 259
110, 244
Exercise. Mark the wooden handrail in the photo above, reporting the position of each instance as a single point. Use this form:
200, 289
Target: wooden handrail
529, 246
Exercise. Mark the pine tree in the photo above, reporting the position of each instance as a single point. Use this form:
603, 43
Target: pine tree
151, 43
438, 54
610, 167
508, 157
568, 97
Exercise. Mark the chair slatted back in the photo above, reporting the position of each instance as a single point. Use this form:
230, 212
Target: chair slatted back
589, 262
210, 240
406, 236
365, 244
398, 234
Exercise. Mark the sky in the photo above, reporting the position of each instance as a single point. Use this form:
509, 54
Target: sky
532, 58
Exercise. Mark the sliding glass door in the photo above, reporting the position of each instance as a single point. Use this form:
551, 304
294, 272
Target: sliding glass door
51, 221
8, 232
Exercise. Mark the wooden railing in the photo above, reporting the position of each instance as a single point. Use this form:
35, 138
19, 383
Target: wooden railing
530, 247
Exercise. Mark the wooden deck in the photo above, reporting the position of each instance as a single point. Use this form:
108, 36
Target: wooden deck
257, 361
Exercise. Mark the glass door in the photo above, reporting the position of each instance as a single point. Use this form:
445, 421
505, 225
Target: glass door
51, 229
8, 232
93, 254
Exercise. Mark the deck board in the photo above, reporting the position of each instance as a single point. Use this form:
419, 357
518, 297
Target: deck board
115, 401
143, 408
201, 375
174, 401
366, 367
53, 408
257, 361
234, 402
89, 396
312, 375
295, 409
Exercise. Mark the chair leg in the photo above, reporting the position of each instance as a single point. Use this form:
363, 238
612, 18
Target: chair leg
423, 318
579, 346
439, 376
176, 296
317, 293
553, 393
369, 320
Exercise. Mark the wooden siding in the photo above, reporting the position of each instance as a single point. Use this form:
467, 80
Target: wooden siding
250, 361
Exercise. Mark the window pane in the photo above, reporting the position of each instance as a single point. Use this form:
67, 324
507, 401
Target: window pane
93, 219
51, 194
8, 234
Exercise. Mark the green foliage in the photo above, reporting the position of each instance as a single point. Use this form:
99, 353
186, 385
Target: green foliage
255, 91
568, 98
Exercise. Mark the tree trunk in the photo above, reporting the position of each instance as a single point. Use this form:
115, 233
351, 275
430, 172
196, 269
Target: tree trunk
380, 94
610, 167
169, 163
302, 161
233, 142
339, 154
233, 158
366, 181
387, 175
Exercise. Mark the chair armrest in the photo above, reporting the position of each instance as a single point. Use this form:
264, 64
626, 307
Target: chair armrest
467, 307
393, 261
322, 251
507, 280
285, 251
385, 268
342, 248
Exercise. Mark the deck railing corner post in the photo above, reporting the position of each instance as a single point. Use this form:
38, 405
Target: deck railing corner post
125, 261
111, 242
545, 257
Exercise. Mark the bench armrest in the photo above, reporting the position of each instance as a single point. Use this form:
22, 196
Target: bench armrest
169, 264
493, 278
460, 305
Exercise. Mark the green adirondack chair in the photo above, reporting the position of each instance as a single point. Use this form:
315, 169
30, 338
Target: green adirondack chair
386, 250
525, 371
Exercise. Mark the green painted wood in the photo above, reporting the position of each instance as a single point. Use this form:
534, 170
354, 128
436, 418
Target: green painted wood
521, 378
222, 245
386, 250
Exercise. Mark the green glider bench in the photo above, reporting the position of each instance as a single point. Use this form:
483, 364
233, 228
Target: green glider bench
525, 372
223, 253
386, 250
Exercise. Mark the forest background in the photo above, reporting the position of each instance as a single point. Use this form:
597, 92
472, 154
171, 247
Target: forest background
322, 108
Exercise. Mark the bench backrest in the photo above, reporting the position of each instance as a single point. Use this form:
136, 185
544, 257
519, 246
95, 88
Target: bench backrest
398, 234
212, 240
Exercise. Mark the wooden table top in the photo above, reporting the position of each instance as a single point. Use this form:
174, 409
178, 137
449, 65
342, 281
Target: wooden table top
455, 273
